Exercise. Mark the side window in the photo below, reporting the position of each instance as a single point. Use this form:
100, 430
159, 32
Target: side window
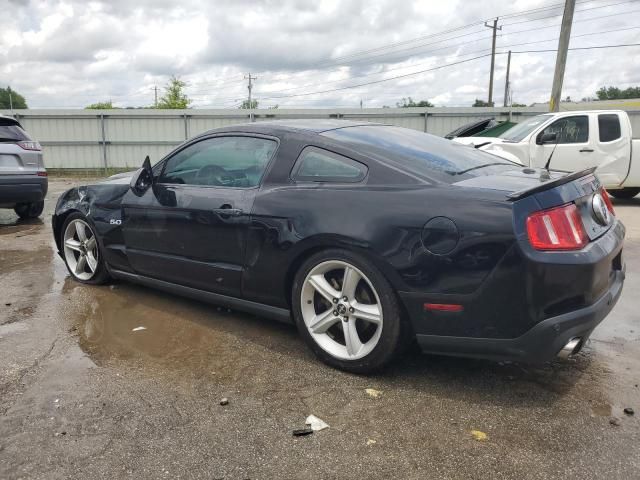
318, 165
609, 127
220, 162
570, 129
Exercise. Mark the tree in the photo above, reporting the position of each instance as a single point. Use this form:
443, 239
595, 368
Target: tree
17, 100
100, 106
481, 103
614, 93
515, 104
174, 96
409, 102
245, 104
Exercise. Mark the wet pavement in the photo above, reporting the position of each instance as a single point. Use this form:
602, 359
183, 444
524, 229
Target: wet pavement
86, 393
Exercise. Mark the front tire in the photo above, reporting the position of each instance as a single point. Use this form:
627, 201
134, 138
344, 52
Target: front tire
81, 251
624, 193
347, 312
29, 210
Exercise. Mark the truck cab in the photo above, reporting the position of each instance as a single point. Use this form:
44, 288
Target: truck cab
578, 140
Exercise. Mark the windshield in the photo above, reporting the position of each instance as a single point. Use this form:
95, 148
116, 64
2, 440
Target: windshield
421, 153
522, 129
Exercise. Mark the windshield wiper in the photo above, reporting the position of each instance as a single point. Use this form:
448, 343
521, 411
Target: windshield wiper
460, 172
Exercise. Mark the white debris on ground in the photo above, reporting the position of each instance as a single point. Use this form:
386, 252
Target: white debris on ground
315, 423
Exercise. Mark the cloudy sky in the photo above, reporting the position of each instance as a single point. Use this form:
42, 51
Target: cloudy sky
305, 53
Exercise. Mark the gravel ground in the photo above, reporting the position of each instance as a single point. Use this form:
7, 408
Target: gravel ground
83, 395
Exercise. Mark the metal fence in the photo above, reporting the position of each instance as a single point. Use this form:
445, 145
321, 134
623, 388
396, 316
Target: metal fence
120, 139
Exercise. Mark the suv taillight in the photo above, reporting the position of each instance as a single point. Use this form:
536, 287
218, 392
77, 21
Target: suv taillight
559, 228
607, 200
27, 145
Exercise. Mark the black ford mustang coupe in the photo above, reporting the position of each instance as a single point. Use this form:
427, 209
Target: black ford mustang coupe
366, 236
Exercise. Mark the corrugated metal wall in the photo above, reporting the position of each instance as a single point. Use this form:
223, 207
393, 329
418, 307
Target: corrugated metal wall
89, 139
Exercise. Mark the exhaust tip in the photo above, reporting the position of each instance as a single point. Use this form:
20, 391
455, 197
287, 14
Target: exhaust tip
571, 347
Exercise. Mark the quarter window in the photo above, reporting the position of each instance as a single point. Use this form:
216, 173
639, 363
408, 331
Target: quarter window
609, 127
570, 129
230, 161
318, 165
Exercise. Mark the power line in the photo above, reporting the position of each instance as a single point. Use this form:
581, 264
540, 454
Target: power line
442, 48
439, 67
378, 81
594, 47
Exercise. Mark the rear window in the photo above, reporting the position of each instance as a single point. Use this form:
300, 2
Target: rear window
426, 155
318, 165
10, 132
609, 127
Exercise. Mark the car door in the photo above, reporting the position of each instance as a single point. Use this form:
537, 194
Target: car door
191, 226
612, 148
574, 149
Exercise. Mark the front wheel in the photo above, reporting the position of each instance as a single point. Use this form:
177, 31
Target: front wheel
81, 250
347, 312
624, 193
29, 210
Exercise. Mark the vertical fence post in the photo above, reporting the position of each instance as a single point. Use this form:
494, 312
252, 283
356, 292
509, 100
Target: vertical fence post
104, 144
426, 122
186, 126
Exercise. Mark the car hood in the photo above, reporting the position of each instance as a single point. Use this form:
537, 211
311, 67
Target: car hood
478, 140
119, 178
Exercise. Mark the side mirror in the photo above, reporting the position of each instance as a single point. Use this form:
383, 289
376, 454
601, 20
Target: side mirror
142, 179
548, 137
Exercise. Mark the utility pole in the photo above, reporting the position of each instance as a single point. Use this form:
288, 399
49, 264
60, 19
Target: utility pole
10, 99
155, 96
561, 56
506, 82
250, 87
493, 57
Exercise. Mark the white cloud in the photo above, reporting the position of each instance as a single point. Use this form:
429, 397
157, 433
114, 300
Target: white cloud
74, 53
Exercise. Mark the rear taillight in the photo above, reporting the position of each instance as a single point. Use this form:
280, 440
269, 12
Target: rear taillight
42, 173
559, 228
607, 200
30, 146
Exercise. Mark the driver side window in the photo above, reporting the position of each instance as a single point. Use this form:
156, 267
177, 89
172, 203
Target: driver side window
237, 162
570, 129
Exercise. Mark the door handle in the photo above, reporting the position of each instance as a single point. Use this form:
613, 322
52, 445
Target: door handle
588, 150
228, 211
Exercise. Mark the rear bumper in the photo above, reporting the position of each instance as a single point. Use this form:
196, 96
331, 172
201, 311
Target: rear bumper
541, 343
22, 188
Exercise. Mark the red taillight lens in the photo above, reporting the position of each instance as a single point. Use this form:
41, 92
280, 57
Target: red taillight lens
558, 228
443, 307
42, 173
607, 200
30, 146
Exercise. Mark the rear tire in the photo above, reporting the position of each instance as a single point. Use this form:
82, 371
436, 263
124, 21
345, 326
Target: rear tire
624, 193
29, 210
361, 334
81, 251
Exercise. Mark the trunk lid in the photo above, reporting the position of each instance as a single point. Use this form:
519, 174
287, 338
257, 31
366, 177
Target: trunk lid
551, 189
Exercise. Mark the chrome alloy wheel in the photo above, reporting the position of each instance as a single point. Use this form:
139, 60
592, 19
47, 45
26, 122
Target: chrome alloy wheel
80, 249
341, 310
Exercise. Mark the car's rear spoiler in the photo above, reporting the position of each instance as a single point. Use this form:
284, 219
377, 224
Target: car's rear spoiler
551, 184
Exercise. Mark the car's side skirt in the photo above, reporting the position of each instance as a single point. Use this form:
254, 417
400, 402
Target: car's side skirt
276, 313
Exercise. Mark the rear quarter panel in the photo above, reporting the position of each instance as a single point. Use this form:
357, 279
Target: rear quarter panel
385, 224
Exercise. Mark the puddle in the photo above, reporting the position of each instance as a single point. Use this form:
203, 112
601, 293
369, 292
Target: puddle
178, 334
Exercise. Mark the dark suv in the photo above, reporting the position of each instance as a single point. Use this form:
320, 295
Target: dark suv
23, 178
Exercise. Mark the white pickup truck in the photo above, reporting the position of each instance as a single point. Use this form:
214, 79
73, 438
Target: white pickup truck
596, 138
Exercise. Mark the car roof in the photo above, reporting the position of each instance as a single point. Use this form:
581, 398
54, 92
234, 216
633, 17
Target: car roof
296, 125
6, 120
